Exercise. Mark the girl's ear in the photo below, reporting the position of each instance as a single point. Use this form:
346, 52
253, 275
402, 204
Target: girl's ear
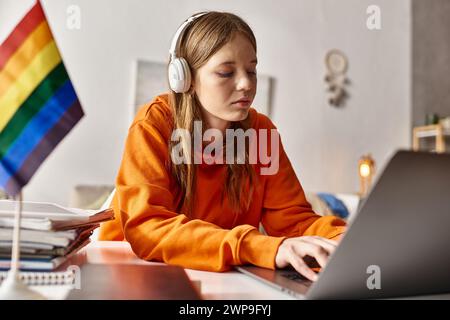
191, 88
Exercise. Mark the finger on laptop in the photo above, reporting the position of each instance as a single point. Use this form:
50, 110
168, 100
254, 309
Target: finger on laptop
309, 248
301, 267
328, 245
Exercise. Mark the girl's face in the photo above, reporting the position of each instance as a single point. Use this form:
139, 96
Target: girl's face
226, 84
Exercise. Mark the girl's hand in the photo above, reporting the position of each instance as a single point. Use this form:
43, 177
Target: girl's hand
296, 251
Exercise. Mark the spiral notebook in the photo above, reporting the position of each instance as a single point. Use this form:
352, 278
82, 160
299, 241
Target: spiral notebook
68, 277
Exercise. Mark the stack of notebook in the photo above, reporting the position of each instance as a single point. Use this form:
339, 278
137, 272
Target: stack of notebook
49, 235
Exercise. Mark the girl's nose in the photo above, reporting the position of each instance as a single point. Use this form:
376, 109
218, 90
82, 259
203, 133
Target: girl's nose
245, 82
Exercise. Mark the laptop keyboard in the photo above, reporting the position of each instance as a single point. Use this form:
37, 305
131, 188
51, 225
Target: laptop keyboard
295, 277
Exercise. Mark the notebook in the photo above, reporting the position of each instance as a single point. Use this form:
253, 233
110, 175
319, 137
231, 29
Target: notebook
50, 216
53, 238
68, 277
48, 264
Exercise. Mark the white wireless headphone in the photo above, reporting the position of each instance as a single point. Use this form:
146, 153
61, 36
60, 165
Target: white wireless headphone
179, 72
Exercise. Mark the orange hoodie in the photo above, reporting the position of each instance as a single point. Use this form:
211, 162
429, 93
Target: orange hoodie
214, 238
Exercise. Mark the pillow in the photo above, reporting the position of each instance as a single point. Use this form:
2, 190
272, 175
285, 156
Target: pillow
335, 204
318, 205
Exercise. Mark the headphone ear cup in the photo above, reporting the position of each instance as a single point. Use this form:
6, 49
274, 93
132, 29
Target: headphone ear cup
179, 75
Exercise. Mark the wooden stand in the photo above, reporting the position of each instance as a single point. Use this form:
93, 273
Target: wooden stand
436, 131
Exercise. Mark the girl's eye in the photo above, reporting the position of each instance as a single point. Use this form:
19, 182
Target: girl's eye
230, 74
225, 74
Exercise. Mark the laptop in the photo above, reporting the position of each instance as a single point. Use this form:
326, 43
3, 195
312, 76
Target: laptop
396, 246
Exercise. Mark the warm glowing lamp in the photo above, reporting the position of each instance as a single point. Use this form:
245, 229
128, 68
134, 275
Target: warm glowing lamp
366, 170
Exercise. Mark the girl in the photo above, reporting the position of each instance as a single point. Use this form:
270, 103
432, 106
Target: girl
205, 214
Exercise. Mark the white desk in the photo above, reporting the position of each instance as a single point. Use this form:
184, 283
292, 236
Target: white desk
214, 285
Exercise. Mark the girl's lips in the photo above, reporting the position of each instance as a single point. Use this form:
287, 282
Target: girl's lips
242, 103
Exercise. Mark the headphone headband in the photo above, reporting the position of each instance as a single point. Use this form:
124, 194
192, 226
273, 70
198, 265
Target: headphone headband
176, 38
179, 73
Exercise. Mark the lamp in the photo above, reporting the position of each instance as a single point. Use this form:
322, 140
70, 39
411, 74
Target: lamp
366, 171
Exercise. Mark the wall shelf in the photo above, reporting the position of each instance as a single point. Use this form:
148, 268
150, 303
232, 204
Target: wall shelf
436, 130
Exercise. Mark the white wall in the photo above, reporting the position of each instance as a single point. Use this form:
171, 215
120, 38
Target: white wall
323, 143
431, 60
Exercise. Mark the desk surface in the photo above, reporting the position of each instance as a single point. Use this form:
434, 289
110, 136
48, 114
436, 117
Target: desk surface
213, 285
231, 285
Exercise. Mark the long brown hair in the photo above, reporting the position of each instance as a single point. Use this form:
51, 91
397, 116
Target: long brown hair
201, 40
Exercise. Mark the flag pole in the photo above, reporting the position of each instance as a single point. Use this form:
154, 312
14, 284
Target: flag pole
12, 287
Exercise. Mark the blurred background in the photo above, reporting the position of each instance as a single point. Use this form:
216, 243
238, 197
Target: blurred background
341, 79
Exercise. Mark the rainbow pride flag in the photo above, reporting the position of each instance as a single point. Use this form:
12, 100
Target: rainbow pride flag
38, 104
